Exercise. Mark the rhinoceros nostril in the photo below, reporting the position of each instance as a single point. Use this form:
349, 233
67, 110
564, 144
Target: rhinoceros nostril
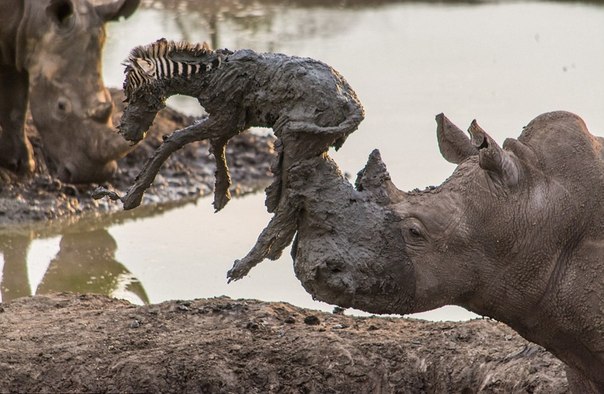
334, 266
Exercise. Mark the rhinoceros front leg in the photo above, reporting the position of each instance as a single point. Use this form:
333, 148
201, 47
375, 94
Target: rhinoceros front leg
15, 150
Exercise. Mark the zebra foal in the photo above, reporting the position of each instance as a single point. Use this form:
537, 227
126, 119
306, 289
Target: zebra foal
309, 106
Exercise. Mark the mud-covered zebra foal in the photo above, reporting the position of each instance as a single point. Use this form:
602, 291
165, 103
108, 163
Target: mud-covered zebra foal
309, 106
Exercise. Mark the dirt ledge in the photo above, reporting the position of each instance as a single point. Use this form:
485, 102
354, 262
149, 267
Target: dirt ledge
89, 343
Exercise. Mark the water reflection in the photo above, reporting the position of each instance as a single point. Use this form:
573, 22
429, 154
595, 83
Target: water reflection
15, 282
85, 263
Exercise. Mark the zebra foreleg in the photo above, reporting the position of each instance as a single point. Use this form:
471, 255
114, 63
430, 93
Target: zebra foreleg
206, 129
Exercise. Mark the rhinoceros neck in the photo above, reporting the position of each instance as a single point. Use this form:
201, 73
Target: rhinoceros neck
564, 314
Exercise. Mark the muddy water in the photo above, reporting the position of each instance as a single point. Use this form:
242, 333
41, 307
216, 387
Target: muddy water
500, 63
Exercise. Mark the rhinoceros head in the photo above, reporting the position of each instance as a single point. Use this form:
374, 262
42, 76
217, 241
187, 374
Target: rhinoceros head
60, 46
497, 235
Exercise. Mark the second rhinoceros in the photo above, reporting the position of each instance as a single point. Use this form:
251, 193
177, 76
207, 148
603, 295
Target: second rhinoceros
50, 56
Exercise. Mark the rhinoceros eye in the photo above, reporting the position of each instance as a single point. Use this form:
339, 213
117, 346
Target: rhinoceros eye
63, 108
415, 232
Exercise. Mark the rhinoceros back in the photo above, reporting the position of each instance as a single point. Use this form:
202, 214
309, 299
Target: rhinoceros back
565, 147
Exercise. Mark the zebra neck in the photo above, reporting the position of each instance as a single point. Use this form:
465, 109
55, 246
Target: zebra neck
169, 69
184, 65
187, 85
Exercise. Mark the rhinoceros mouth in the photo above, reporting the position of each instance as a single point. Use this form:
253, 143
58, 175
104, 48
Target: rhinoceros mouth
349, 286
326, 281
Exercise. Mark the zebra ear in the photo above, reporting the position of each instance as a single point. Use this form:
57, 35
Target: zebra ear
145, 65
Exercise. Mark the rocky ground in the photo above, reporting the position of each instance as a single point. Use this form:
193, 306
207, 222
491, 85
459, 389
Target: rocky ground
86, 343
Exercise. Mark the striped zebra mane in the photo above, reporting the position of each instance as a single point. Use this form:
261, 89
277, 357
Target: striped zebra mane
164, 59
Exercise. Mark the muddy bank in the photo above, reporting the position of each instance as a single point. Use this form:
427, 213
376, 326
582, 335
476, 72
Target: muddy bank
70, 343
187, 175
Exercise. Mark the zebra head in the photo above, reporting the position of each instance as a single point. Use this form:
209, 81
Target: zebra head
150, 70
163, 60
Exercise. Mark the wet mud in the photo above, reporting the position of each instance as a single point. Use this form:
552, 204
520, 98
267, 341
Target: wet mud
70, 343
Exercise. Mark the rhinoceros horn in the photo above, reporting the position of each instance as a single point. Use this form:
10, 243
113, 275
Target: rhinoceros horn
114, 148
116, 9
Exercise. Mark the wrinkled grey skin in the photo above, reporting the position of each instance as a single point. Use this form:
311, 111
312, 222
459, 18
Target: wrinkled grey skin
516, 234
50, 56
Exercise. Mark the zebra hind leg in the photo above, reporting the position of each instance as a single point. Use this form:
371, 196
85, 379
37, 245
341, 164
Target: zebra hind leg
222, 194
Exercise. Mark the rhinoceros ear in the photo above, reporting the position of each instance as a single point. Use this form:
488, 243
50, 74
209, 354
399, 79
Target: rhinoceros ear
453, 143
115, 9
491, 157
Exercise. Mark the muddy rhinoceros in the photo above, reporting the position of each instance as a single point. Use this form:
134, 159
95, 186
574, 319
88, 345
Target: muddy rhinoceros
516, 233
50, 55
